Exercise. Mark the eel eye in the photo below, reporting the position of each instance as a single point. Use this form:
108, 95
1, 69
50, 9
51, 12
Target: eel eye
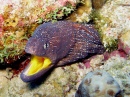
46, 45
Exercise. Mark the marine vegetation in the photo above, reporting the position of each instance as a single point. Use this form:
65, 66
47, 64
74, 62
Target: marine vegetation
102, 24
57, 44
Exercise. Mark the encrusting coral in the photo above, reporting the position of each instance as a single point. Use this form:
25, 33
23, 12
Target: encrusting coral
82, 13
110, 22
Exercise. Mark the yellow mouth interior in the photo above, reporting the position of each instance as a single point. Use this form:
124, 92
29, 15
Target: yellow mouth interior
38, 63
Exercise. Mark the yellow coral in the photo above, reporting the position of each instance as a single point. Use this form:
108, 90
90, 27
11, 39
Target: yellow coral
11, 22
82, 14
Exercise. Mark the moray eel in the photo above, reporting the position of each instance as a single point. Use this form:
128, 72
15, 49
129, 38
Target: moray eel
57, 44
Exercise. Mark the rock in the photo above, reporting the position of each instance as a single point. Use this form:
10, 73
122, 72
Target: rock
98, 84
98, 3
124, 42
82, 13
60, 83
3, 83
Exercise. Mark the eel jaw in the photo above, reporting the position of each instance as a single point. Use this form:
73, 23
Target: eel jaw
36, 68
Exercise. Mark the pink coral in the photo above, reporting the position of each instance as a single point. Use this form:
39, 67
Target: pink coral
124, 47
120, 53
97, 60
1, 24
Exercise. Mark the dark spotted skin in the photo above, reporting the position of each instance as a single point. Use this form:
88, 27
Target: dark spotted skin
64, 42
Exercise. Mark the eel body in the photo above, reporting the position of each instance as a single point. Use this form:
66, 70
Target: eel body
62, 42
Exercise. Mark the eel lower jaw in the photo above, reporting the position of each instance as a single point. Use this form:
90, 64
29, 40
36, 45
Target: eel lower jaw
37, 67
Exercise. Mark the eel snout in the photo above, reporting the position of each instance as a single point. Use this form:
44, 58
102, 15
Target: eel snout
34, 47
37, 67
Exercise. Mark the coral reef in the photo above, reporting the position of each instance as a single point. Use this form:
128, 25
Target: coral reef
98, 84
119, 68
112, 20
62, 81
66, 79
117, 64
18, 19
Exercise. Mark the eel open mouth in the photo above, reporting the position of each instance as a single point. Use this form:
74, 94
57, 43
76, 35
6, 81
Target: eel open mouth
36, 68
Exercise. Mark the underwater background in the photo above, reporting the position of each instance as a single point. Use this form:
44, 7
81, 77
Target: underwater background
100, 75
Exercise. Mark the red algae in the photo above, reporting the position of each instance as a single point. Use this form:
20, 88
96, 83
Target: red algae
20, 67
119, 52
